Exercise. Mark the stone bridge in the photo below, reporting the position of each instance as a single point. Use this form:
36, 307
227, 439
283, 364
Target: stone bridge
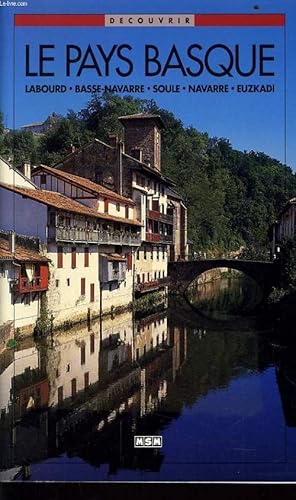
265, 273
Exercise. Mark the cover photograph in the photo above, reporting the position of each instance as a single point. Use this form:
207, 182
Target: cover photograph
147, 241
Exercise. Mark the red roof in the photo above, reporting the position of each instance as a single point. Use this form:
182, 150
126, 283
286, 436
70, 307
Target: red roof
84, 183
22, 253
62, 202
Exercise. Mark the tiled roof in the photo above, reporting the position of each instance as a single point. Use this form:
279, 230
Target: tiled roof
84, 183
22, 253
57, 200
143, 116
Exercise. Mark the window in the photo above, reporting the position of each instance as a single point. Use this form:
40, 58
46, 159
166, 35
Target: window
73, 387
92, 343
151, 253
163, 254
73, 257
82, 354
138, 278
57, 373
92, 292
163, 274
126, 212
155, 275
138, 255
159, 274
106, 205
137, 354
110, 287
157, 254
68, 281
60, 394
60, 257
82, 287
86, 257
86, 380
68, 368
57, 283
27, 299
118, 207
145, 350
145, 253
42, 179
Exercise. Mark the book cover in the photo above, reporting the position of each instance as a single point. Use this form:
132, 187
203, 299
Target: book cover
147, 253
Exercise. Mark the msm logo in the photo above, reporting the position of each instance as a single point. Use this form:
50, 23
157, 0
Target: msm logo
147, 441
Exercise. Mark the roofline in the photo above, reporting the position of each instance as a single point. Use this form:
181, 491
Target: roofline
113, 195
136, 116
18, 172
96, 215
151, 170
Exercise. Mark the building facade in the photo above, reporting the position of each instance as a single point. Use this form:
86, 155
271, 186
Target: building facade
284, 227
133, 169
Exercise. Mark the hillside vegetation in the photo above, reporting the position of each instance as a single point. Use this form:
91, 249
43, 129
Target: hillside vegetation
232, 196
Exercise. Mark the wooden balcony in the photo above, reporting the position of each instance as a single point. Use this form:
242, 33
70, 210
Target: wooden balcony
78, 235
155, 215
147, 286
168, 219
160, 238
23, 285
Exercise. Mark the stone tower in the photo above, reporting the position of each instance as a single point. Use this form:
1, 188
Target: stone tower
142, 138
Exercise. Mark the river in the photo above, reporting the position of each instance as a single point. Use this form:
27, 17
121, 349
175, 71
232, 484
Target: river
218, 388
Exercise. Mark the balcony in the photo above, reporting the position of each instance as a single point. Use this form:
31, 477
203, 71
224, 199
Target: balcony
155, 215
78, 235
160, 238
168, 219
23, 285
148, 286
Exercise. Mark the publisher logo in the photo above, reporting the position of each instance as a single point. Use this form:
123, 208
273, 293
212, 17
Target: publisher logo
147, 441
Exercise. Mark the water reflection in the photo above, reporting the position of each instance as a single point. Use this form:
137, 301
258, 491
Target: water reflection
225, 298
71, 408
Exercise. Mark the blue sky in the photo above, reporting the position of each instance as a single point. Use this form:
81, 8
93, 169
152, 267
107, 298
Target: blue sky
249, 121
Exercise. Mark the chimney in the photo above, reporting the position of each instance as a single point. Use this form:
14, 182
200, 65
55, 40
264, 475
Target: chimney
26, 169
11, 241
113, 140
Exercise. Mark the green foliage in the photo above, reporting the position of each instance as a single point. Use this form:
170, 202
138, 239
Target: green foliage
11, 344
21, 146
288, 264
152, 302
276, 295
43, 323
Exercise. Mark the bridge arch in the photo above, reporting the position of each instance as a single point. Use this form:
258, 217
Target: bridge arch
264, 273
